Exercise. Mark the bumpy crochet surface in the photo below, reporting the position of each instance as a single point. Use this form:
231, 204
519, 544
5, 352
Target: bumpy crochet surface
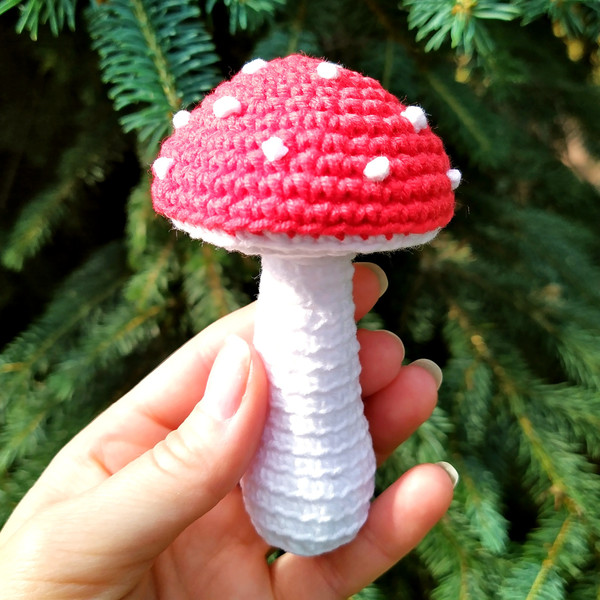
302, 146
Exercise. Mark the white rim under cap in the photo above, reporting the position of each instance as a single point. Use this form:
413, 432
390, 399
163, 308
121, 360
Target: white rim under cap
300, 245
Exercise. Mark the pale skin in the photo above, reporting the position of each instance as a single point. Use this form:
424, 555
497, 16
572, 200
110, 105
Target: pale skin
144, 503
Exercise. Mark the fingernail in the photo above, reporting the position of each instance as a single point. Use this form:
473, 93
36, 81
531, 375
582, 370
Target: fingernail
392, 334
452, 472
431, 368
380, 274
227, 380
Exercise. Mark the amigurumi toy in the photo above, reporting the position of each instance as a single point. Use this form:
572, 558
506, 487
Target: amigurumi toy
307, 164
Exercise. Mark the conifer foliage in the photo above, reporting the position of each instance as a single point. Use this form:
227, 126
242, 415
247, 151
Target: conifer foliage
95, 290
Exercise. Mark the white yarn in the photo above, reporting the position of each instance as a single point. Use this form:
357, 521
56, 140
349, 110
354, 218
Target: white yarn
328, 70
377, 169
416, 115
161, 166
226, 106
253, 66
181, 118
309, 486
274, 148
299, 245
454, 175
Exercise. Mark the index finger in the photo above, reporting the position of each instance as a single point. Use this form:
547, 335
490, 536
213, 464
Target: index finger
168, 394
163, 399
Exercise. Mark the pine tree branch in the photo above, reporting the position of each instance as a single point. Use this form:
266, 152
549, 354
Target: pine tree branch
565, 259
463, 563
483, 506
574, 407
35, 225
371, 592
459, 21
112, 339
156, 57
45, 344
463, 570
80, 167
566, 492
156, 54
121, 336
84, 292
466, 119
6, 5
36, 12
145, 234
559, 486
551, 560
503, 295
150, 284
247, 15
214, 281
18, 434
571, 324
209, 293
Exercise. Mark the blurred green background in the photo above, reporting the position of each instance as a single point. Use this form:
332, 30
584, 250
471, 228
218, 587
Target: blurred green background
95, 290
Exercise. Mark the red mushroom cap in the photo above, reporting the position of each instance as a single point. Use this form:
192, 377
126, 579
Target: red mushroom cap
303, 147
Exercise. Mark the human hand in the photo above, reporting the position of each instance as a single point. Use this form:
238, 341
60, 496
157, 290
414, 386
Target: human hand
145, 502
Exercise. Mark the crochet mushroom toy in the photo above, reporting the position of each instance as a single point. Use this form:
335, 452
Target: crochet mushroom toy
307, 164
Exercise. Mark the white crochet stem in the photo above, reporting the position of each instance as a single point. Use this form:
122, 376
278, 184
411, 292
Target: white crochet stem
308, 489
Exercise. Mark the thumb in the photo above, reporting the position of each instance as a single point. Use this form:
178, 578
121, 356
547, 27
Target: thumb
146, 505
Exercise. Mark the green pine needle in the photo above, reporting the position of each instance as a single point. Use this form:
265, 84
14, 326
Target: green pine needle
56, 13
76, 300
80, 168
157, 58
459, 21
247, 15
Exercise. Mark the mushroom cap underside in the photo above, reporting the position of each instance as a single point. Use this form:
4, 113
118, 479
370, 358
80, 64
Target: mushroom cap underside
302, 147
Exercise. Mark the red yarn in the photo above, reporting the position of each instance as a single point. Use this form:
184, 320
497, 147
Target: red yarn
220, 178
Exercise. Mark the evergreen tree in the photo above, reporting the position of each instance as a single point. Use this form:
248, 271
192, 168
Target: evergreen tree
95, 290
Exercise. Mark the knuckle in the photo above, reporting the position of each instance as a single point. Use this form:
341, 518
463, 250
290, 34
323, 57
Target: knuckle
174, 454
187, 462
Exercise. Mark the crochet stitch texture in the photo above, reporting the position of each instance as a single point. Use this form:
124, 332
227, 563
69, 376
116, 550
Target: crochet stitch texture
285, 147
308, 487
306, 163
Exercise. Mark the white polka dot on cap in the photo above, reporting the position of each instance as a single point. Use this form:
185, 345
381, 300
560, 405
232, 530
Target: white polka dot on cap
162, 166
416, 115
454, 175
328, 70
181, 119
274, 148
226, 106
377, 169
253, 66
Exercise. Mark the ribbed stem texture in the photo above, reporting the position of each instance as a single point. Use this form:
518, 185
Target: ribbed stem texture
309, 486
